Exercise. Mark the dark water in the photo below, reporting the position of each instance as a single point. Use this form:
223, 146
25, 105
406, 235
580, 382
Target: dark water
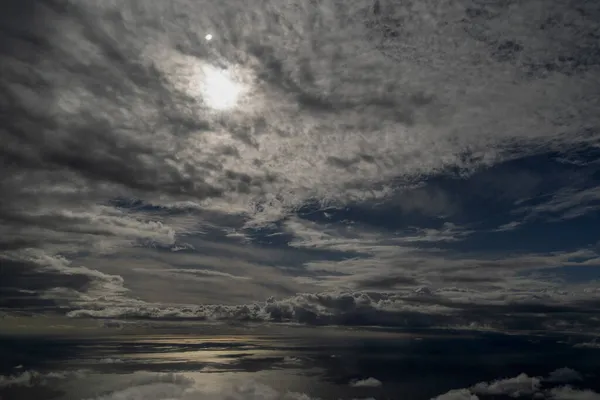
277, 366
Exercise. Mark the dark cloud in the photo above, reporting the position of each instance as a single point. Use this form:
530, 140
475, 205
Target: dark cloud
22, 285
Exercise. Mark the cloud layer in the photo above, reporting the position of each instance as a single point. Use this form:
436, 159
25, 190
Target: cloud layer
385, 163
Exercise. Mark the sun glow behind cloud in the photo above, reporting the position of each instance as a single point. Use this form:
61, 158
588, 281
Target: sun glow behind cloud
220, 91
219, 88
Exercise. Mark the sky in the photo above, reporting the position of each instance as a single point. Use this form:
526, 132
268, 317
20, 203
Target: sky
407, 165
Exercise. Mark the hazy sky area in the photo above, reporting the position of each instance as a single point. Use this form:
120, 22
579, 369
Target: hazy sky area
407, 165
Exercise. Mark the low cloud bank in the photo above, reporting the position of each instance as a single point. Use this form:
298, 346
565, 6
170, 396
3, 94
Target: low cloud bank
415, 309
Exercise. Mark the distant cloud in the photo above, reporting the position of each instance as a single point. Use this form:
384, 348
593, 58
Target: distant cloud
520, 385
570, 393
588, 345
564, 375
29, 378
457, 394
407, 309
369, 382
110, 361
288, 360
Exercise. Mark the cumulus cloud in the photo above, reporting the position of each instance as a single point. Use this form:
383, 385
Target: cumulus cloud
515, 387
525, 385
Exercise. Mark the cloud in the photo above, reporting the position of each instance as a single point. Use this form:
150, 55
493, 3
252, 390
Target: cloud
110, 361
467, 280
371, 154
192, 272
564, 375
457, 394
371, 253
54, 281
515, 387
525, 385
292, 361
558, 393
420, 308
567, 203
323, 308
570, 393
369, 382
588, 345
30, 378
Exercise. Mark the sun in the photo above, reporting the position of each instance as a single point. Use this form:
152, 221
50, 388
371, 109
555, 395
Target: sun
220, 91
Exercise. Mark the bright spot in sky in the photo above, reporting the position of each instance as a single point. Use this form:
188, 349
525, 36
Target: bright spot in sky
208, 37
220, 90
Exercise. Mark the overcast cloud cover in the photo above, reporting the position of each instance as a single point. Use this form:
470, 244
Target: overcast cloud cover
416, 163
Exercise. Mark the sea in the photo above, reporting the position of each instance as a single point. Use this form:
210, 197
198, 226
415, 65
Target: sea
302, 363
